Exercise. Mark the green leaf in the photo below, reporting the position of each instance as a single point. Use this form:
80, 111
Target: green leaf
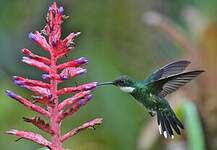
193, 125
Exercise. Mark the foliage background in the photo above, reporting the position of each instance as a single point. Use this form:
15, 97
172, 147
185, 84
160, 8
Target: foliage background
117, 41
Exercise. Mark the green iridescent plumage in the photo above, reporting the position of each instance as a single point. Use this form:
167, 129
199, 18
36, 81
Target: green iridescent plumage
151, 92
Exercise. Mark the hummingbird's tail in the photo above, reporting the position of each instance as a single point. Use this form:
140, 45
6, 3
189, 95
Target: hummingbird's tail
167, 122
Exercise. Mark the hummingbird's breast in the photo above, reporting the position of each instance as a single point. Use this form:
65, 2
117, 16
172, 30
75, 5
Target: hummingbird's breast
148, 100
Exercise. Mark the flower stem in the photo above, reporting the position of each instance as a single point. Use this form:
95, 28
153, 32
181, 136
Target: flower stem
56, 144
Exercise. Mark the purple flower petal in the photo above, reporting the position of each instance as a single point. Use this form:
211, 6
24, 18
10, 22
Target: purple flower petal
32, 36
61, 10
11, 94
82, 60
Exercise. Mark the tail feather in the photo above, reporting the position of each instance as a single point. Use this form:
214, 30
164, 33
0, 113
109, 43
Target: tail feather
168, 127
161, 125
167, 123
178, 122
174, 125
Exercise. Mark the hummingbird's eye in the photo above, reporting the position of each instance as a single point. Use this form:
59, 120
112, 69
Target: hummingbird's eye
120, 82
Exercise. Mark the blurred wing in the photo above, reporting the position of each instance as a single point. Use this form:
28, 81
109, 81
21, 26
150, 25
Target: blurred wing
168, 70
165, 86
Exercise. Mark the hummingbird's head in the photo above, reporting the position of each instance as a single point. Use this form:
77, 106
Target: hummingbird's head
123, 82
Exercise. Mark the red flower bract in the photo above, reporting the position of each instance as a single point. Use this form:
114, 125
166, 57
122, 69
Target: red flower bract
47, 92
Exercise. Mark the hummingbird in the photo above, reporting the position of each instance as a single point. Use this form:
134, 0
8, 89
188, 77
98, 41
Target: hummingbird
152, 91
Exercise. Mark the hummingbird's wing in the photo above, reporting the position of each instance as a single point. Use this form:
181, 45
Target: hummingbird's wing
168, 70
167, 85
167, 122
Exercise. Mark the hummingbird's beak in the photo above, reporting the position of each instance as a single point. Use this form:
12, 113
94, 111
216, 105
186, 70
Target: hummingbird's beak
105, 83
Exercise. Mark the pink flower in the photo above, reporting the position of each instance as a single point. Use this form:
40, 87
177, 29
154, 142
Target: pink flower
47, 93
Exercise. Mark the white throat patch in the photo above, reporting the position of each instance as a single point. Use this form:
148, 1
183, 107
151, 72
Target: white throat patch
127, 89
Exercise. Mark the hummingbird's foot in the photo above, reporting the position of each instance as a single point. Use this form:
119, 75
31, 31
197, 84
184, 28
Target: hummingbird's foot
152, 113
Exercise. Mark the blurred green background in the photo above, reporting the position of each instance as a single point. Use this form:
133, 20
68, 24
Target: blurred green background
131, 37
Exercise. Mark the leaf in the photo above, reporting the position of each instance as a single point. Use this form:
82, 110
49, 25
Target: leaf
193, 127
